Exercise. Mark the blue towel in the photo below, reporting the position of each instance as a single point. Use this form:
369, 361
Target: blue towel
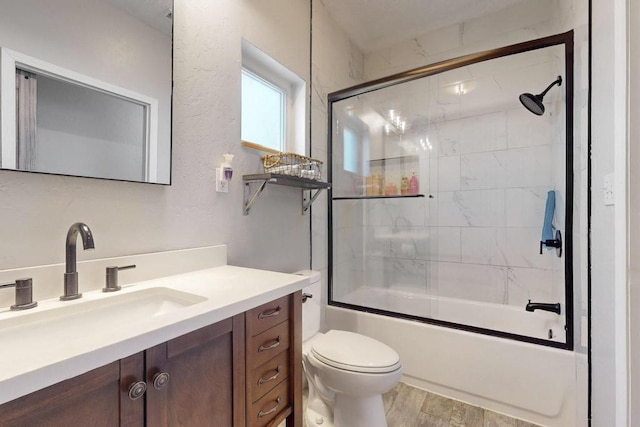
547, 226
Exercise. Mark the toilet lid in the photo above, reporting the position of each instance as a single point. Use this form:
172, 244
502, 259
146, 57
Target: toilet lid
355, 352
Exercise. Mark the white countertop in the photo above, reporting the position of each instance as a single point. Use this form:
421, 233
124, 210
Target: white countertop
45, 359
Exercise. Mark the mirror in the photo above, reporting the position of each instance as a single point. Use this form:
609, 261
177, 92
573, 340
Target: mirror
85, 88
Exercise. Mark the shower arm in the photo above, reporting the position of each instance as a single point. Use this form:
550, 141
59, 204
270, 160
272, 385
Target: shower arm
557, 82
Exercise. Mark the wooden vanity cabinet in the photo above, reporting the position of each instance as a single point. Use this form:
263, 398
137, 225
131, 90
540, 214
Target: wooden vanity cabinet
274, 362
187, 381
203, 378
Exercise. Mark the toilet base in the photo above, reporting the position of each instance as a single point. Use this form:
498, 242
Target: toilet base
352, 411
314, 419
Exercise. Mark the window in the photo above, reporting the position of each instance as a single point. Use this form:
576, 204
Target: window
273, 103
263, 112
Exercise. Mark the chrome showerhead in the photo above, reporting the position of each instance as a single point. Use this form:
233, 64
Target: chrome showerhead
534, 103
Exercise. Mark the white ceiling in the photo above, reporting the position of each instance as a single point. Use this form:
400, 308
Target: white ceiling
374, 24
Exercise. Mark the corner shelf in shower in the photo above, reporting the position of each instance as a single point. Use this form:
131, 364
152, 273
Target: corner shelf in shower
306, 185
399, 159
397, 196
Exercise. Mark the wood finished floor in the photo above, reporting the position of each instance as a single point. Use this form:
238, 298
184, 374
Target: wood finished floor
406, 406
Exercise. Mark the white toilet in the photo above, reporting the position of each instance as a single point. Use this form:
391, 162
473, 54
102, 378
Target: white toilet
347, 372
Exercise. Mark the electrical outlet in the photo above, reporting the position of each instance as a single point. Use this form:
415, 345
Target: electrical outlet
222, 185
607, 188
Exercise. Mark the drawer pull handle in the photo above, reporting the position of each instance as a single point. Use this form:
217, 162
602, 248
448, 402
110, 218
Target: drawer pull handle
271, 378
274, 344
270, 313
137, 390
270, 411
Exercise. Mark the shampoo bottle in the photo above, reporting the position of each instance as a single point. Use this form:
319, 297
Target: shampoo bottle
413, 184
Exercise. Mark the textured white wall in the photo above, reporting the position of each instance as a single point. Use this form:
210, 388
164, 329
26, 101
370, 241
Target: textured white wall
127, 218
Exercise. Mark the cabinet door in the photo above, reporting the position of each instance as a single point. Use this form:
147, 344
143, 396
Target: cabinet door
88, 399
91, 399
191, 379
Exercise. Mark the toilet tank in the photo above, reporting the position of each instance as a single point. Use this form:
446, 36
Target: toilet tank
311, 308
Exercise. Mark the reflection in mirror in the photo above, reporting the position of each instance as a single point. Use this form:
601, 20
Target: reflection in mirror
86, 88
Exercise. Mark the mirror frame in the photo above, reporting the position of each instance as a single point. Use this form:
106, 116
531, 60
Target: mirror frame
86, 81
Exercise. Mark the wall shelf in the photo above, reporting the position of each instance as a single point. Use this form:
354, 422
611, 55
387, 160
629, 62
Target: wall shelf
306, 185
397, 196
399, 159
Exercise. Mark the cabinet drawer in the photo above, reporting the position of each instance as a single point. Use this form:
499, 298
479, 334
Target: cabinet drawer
269, 406
267, 315
266, 345
266, 376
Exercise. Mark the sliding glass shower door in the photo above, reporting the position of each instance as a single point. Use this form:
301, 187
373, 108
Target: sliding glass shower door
442, 185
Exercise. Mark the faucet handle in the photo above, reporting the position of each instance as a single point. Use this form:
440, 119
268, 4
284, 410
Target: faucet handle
112, 277
24, 293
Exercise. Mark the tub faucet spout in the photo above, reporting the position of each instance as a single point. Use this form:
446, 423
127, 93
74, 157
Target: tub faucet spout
71, 274
554, 308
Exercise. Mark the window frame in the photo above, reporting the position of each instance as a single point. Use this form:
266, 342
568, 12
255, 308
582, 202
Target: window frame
268, 69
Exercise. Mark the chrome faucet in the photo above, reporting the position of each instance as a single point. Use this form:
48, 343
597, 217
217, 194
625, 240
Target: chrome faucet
71, 275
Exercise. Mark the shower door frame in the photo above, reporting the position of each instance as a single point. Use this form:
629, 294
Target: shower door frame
565, 39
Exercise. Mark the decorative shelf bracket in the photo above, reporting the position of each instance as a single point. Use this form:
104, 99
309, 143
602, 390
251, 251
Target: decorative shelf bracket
250, 199
307, 185
308, 197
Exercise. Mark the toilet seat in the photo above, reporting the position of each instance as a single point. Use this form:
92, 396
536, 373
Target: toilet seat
354, 352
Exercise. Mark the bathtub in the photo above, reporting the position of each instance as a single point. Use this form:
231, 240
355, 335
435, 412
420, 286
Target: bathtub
527, 381
498, 317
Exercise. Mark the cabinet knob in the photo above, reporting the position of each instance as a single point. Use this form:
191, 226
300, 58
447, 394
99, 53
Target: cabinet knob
160, 380
270, 411
137, 390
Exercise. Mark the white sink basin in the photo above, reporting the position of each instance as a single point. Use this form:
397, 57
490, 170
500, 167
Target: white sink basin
94, 314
